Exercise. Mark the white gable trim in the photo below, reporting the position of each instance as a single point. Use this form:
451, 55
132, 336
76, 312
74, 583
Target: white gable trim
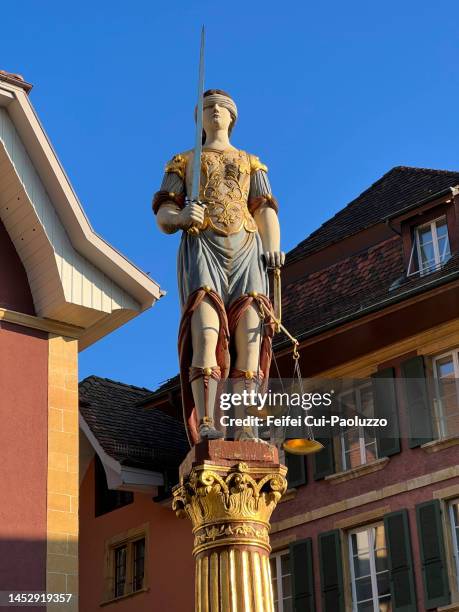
74, 275
122, 477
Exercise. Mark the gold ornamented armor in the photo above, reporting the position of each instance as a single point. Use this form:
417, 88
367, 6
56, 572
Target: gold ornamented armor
225, 186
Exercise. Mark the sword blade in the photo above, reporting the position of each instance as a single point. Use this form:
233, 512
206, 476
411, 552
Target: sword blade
277, 299
196, 176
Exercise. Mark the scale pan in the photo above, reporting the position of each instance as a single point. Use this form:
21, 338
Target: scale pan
302, 446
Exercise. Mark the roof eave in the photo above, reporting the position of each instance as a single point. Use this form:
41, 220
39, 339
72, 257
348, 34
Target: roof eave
119, 476
84, 239
354, 316
454, 191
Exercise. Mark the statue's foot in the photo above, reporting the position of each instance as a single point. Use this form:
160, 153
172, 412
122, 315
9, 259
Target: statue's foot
247, 436
261, 441
210, 433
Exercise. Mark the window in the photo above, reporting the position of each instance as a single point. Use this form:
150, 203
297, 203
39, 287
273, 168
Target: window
369, 570
431, 246
120, 554
139, 564
454, 517
107, 499
446, 373
129, 567
358, 444
281, 581
125, 563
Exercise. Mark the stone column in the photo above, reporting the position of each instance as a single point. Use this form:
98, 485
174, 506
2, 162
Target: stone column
229, 490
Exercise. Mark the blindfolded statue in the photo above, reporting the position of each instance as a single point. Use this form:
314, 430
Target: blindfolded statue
230, 237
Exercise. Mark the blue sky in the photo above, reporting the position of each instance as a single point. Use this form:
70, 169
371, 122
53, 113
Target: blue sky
330, 95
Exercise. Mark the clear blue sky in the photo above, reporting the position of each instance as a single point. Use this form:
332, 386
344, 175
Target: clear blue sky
331, 95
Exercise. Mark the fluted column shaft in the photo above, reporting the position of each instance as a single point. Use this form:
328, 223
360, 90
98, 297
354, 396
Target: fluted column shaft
233, 579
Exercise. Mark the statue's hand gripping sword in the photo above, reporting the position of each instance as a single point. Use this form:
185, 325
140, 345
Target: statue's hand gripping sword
196, 171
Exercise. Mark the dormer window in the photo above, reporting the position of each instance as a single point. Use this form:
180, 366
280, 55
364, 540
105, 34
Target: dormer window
430, 248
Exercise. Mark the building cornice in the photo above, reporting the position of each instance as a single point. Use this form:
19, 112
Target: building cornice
46, 325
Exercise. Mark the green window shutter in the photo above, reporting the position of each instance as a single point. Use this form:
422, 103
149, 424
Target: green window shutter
301, 566
297, 472
324, 460
432, 549
331, 571
385, 402
417, 400
397, 531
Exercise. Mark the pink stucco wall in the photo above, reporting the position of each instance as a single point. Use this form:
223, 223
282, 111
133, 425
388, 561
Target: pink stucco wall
170, 572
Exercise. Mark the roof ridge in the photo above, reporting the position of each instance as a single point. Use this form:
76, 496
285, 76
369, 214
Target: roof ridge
422, 169
359, 199
118, 383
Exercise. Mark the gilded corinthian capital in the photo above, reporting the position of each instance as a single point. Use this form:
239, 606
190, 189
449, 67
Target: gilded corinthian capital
230, 506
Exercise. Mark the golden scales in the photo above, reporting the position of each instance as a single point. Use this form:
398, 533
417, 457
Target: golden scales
305, 443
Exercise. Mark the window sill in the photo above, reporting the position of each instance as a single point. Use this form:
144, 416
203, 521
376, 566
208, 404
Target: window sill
451, 608
106, 602
361, 470
440, 444
288, 495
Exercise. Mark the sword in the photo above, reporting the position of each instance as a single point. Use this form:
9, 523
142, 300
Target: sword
196, 170
277, 294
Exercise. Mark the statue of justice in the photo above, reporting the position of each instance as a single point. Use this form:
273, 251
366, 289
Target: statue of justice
230, 237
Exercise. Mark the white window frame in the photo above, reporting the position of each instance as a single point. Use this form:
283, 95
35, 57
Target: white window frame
440, 419
438, 262
362, 446
280, 595
373, 573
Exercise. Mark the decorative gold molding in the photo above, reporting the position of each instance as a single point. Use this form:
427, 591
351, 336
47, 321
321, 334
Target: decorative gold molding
47, 325
361, 470
438, 445
230, 505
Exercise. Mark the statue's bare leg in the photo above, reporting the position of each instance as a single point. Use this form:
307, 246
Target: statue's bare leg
204, 372
247, 342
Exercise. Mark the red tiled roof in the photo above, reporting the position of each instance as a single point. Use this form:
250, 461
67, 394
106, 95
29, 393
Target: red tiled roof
397, 189
353, 286
329, 293
15, 79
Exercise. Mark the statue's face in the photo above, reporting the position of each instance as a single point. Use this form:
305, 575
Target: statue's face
216, 117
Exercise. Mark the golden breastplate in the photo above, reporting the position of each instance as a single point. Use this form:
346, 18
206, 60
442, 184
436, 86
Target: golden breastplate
225, 185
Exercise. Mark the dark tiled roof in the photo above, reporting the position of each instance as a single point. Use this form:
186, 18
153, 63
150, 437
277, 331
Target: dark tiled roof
397, 189
352, 286
169, 385
130, 434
